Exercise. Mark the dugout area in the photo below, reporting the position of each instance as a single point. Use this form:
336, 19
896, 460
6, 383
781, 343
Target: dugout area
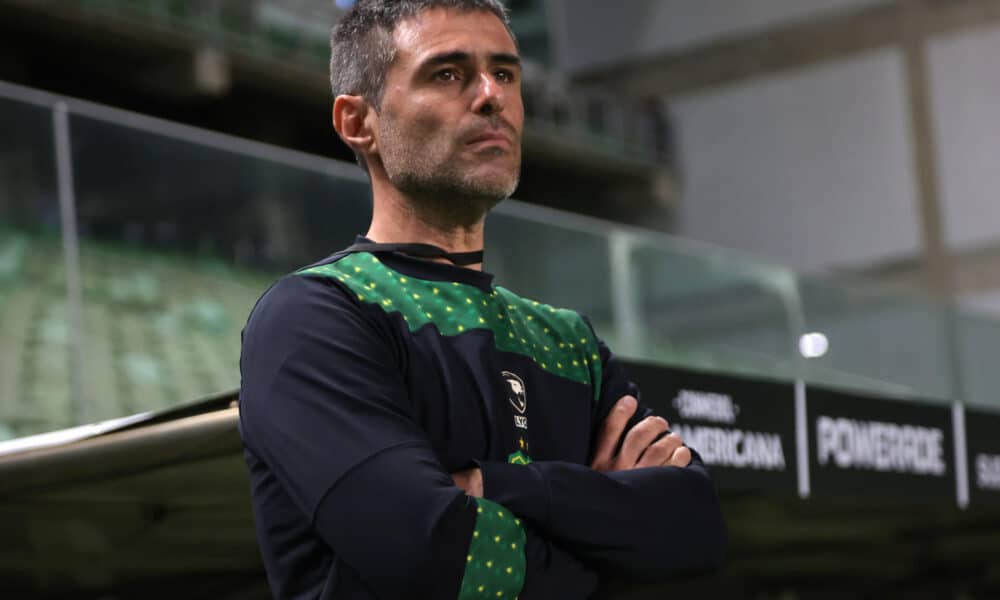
159, 508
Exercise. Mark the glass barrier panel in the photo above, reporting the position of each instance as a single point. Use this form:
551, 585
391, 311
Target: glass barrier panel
178, 240
713, 310
181, 231
553, 264
978, 349
35, 337
879, 341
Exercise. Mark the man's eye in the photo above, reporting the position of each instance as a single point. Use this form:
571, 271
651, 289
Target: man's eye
505, 75
447, 75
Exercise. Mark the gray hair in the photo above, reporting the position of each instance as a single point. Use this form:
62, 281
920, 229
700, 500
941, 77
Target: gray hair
362, 48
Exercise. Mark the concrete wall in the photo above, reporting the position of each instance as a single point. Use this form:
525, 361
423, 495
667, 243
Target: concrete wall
811, 168
965, 75
965, 71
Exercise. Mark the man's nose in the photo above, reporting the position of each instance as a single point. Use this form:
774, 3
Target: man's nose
489, 95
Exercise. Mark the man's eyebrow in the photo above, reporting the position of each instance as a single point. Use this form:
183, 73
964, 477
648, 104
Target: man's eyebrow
459, 56
447, 57
507, 59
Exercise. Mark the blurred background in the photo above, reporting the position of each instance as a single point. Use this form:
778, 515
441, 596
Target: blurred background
797, 190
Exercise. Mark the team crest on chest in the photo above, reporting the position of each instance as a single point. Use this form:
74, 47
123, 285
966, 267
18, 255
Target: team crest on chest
517, 396
515, 391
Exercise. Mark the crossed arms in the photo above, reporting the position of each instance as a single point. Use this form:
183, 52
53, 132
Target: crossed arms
648, 444
641, 511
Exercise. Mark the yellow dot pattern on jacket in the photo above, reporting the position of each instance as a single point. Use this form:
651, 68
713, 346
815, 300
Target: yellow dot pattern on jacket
495, 565
559, 341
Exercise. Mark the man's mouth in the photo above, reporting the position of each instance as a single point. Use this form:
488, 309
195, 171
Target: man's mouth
490, 139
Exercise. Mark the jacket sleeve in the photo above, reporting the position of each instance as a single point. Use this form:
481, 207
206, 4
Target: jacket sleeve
324, 404
645, 524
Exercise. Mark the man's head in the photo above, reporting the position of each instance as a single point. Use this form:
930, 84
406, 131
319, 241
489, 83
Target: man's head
428, 97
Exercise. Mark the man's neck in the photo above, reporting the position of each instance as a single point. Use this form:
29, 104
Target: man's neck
395, 221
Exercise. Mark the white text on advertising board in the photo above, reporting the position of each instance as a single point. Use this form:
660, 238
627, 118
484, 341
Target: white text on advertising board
719, 446
706, 406
988, 471
878, 446
735, 447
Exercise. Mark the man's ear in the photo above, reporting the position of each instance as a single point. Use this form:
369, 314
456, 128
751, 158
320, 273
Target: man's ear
351, 120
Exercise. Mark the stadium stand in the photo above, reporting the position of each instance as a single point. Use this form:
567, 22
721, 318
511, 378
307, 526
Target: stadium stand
156, 329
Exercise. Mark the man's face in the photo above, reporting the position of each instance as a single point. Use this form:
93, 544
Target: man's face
450, 122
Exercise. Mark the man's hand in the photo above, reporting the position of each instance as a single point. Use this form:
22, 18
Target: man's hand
470, 480
639, 448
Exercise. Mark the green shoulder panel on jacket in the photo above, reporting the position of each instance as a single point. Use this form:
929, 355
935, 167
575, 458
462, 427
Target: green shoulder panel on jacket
559, 341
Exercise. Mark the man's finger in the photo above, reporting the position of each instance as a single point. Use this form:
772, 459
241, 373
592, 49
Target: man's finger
681, 457
656, 455
639, 438
611, 432
660, 452
470, 480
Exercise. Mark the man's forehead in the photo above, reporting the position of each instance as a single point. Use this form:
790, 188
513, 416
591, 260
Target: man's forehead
438, 30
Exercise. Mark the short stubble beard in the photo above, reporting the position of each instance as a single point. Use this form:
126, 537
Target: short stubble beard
441, 193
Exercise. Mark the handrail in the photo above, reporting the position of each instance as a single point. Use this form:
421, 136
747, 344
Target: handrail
119, 453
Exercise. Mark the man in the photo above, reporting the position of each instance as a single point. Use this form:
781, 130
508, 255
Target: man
412, 430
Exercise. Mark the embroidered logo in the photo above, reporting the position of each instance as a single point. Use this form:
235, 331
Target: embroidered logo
515, 391
518, 398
